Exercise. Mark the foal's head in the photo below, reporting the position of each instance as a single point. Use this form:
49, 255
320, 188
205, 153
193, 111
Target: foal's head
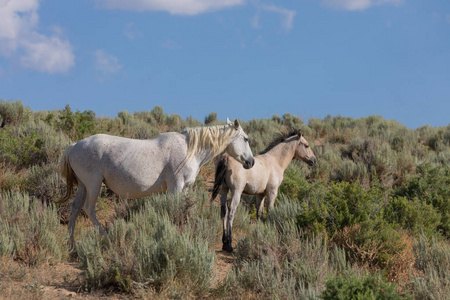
303, 151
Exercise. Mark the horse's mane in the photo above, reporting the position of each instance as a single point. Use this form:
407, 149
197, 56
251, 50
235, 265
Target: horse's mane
214, 138
279, 139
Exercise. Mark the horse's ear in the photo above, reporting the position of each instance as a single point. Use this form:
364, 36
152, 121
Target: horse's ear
236, 124
228, 121
299, 132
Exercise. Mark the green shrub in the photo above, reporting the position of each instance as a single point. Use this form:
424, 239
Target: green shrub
412, 215
352, 172
22, 150
432, 187
433, 260
13, 113
31, 143
262, 132
294, 184
291, 121
352, 286
211, 118
76, 125
274, 263
44, 183
287, 209
30, 230
147, 251
343, 204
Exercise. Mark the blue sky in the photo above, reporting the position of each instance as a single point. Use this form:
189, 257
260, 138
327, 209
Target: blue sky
240, 58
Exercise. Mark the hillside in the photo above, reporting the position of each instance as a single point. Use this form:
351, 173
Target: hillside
371, 217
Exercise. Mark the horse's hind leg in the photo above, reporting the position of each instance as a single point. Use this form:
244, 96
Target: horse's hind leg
75, 209
93, 190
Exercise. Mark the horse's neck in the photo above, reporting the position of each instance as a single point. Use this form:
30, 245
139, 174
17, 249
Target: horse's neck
202, 157
283, 153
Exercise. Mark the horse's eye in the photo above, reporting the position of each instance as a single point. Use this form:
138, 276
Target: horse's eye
306, 146
246, 139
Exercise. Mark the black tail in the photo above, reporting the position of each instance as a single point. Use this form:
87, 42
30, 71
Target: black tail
219, 177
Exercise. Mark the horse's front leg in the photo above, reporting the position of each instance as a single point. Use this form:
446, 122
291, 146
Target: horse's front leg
271, 196
224, 214
235, 199
175, 186
260, 206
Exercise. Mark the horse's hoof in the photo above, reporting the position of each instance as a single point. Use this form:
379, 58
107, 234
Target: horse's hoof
227, 248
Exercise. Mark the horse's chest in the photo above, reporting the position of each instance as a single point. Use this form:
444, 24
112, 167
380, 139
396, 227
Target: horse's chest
255, 187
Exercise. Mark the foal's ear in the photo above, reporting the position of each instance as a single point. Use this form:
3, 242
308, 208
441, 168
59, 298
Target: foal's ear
299, 133
228, 121
236, 124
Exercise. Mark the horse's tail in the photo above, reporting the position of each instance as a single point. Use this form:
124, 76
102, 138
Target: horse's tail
219, 177
67, 173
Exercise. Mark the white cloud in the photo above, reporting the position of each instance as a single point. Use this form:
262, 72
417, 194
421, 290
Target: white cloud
358, 4
47, 54
131, 31
106, 63
175, 7
18, 37
286, 14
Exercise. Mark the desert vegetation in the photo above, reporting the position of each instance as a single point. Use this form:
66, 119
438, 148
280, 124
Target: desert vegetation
371, 220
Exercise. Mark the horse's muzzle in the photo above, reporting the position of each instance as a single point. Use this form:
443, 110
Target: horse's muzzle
249, 163
312, 161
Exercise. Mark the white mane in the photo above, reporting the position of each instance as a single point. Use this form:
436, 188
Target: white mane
213, 138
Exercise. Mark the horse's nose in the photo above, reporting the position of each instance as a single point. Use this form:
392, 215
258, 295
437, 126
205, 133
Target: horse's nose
249, 163
312, 161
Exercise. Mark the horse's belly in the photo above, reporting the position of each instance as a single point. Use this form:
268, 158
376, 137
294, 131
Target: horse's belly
135, 187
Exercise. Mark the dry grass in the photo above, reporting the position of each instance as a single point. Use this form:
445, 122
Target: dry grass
401, 268
400, 265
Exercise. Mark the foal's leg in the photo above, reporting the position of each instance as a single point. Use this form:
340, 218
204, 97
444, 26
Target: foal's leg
224, 213
260, 206
75, 209
93, 190
271, 195
235, 199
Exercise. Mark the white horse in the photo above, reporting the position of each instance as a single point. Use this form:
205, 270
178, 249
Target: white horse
138, 168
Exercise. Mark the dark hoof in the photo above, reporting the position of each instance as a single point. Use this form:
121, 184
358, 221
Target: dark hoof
227, 248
